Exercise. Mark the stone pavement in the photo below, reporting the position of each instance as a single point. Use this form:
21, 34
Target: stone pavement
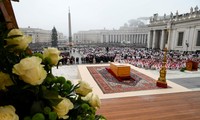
70, 72
187, 79
180, 81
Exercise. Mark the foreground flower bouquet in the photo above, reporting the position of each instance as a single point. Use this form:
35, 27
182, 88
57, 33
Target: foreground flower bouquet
30, 91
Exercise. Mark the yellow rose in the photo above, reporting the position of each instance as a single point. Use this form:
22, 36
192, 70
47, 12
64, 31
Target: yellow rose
53, 54
63, 108
30, 70
21, 41
14, 32
5, 81
84, 88
8, 113
93, 100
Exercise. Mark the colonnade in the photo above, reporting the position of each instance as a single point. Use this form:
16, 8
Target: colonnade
125, 38
157, 39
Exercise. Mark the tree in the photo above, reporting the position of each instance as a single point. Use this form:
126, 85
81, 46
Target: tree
54, 38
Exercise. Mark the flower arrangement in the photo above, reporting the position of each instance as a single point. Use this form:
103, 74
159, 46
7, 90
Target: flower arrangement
30, 91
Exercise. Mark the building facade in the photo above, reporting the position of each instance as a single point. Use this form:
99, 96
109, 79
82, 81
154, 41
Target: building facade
127, 35
86, 37
175, 31
39, 35
42, 38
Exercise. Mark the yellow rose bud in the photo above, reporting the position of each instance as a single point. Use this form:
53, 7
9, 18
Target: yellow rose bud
63, 108
5, 81
14, 32
53, 54
93, 100
21, 42
8, 113
84, 88
30, 70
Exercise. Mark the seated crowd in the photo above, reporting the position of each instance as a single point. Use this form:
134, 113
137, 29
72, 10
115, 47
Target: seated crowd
144, 58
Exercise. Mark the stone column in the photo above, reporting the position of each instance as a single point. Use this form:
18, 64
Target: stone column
139, 41
106, 39
162, 40
149, 39
112, 38
154, 39
146, 39
169, 40
132, 38
142, 39
136, 38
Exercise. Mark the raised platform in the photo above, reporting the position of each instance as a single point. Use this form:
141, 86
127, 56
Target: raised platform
85, 75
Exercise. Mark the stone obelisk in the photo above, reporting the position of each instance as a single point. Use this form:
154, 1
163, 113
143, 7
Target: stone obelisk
70, 31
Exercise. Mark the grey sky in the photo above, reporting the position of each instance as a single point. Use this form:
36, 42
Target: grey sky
92, 14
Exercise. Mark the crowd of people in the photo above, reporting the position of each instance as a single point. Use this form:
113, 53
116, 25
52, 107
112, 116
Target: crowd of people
144, 58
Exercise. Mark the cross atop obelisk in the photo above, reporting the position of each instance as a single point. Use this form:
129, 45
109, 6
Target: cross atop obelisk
70, 31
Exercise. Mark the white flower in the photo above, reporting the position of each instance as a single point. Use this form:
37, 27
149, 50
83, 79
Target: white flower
8, 113
30, 70
5, 81
20, 40
93, 100
53, 54
63, 108
84, 88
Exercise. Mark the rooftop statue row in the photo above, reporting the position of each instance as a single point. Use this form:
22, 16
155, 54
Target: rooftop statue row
194, 13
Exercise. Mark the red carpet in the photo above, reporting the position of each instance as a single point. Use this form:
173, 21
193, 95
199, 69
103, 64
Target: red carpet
109, 84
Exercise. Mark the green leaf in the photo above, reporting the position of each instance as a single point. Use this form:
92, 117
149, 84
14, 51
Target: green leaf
48, 94
61, 80
37, 107
47, 60
27, 118
66, 86
52, 116
100, 117
38, 55
47, 110
51, 96
55, 102
69, 82
38, 116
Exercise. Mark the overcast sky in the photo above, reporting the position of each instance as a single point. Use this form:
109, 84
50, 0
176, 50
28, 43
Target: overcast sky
92, 14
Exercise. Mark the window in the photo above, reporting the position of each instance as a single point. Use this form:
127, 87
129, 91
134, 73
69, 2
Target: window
198, 39
180, 39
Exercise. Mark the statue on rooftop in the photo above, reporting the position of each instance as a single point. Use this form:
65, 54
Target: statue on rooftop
177, 13
171, 15
164, 15
191, 10
196, 9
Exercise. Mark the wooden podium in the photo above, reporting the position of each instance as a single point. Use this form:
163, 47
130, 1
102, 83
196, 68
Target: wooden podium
120, 70
191, 65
